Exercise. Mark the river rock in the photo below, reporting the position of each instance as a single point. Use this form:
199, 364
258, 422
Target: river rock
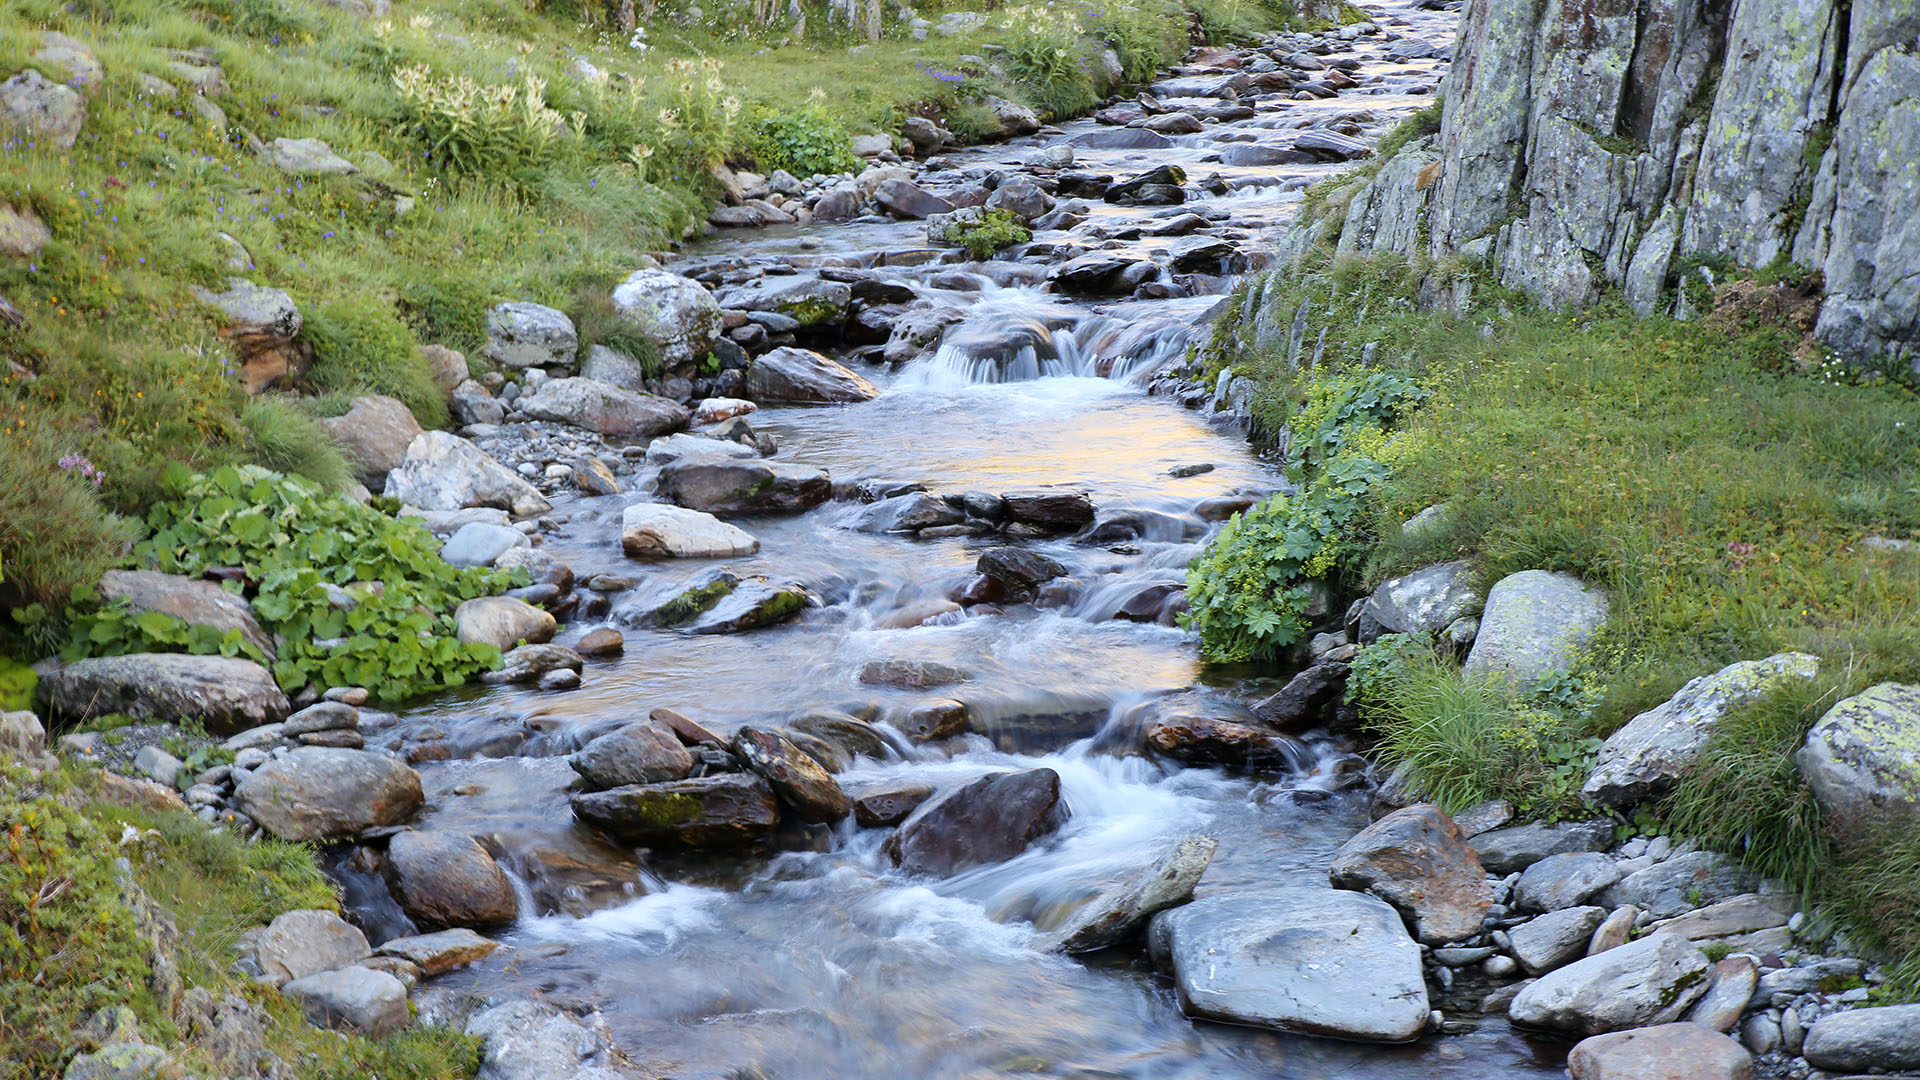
1308, 961
325, 793
446, 472
1303, 702
1416, 860
1862, 759
677, 313
730, 811
1866, 1039
528, 1039
1728, 918
228, 694
603, 407
195, 602
1666, 1052
889, 804
1012, 120
689, 446
659, 531
905, 199
1504, 851
601, 641
479, 543
796, 778
987, 820
1555, 939
907, 513
42, 110
357, 1000
1734, 979
375, 433
639, 753
502, 621
806, 377
1256, 155
529, 663
1680, 884
1563, 881
1019, 569
1020, 197
301, 943
1210, 740
744, 487
813, 302
437, 954
1123, 910
1102, 273
1052, 509
1644, 759
1535, 625
1653, 980
751, 605
1425, 601
446, 880
526, 335
854, 737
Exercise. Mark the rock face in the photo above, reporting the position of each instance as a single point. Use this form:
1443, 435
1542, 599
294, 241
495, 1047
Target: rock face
446, 880
375, 433
1863, 757
1309, 961
729, 811
604, 408
805, 377
659, 531
196, 602
1627, 137
1666, 1052
323, 793
228, 694
1642, 760
987, 820
1876, 1039
1416, 860
446, 472
1535, 625
1653, 980
1120, 912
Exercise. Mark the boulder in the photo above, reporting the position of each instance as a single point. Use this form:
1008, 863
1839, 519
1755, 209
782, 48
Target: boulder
1256, 155
1535, 625
752, 604
1157, 187
437, 954
659, 531
852, 736
526, 335
22, 233
1328, 145
1644, 759
795, 777
1729, 918
1564, 881
1681, 883
1864, 1040
1425, 601
744, 487
729, 811
45, 112
604, 407
601, 641
805, 377
261, 325
501, 621
305, 942
1210, 740
327, 793
907, 513
1417, 860
811, 302
1020, 197
905, 199
1102, 273
1503, 851
480, 543
74, 55
1727, 997
1012, 120
307, 157
1555, 939
357, 1000
1302, 703
445, 880
1862, 759
639, 753
227, 694
446, 472
613, 367
1120, 912
447, 366
1652, 980
987, 820
1052, 509
192, 600
375, 434
1021, 570
1301, 960
1666, 1052
1127, 138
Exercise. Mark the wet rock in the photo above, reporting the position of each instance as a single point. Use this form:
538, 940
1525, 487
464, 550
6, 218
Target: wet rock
1862, 759
324, 793
852, 736
1256, 155
906, 514
806, 377
501, 621
1122, 911
1680, 884
1205, 255
689, 732
1162, 603
1051, 509
795, 777
890, 804
753, 604
675, 312
1307, 961
478, 543
524, 335
1327, 145
1653, 980
987, 820
525, 1039
601, 641
1019, 569
356, 1000
1302, 703
1127, 138
813, 302
659, 531
1734, 979
1102, 273
905, 199
446, 472
195, 602
1020, 197
446, 880
910, 674
1208, 740
321, 716
684, 445
1416, 860
1504, 851
1666, 1052
744, 487
935, 721
730, 811
641, 753
1644, 759
305, 942
529, 663
228, 694
1564, 881
604, 408
1866, 1039
1535, 625
1157, 187
375, 433
437, 954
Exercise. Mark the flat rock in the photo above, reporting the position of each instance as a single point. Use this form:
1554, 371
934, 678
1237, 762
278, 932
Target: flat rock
687, 445
445, 880
356, 1000
986, 820
661, 531
307, 157
1563, 881
907, 513
744, 487
1555, 939
1122, 911
301, 943
228, 694
1665, 1052
1535, 625
325, 793
1416, 860
1734, 979
1739, 915
1652, 980
1052, 509
1503, 851
802, 376
1681, 883
604, 408
730, 811
193, 601
436, 954
1876, 1039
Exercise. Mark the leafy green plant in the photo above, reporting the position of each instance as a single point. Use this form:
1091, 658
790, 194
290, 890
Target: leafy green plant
803, 141
1345, 410
114, 630
1045, 53
995, 229
468, 127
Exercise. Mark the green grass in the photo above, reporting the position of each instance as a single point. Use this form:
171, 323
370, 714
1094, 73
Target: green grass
284, 437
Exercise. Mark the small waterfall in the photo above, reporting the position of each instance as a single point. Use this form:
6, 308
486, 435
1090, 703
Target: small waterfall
1019, 335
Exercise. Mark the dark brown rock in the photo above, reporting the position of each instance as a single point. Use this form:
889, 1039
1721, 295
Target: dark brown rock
731, 811
446, 880
1207, 740
935, 721
797, 778
890, 805
1050, 509
1018, 569
987, 820
910, 674
690, 733
1303, 702
601, 641
642, 753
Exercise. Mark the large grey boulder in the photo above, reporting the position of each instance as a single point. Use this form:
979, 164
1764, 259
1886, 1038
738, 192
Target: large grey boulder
502, 621
525, 335
905, 199
328, 793
677, 313
809, 301
1645, 758
445, 880
446, 472
1416, 860
805, 377
729, 811
1862, 759
1122, 911
375, 433
660, 531
639, 753
228, 694
357, 1000
1308, 961
1665, 1052
1012, 120
196, 602
305, 942
307, 157
42, 111
990, 819
1653, 980
1425, 601
1535, 625
1555, 939
1503, 851
1681, 883
1865, 1040
604, 407
744, 487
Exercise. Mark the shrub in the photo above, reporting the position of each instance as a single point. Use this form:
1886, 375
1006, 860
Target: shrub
973, 121
283, 437
359, 346
802, 141
54, 531
1045, 53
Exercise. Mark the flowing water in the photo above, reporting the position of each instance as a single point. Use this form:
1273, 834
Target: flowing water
827, 963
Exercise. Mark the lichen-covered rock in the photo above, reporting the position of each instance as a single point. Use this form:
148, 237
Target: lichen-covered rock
525, 335
1650, 981
730, 811
325, 793
677, 313
1536, 623
446, 472
1425, 601
1863, 757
